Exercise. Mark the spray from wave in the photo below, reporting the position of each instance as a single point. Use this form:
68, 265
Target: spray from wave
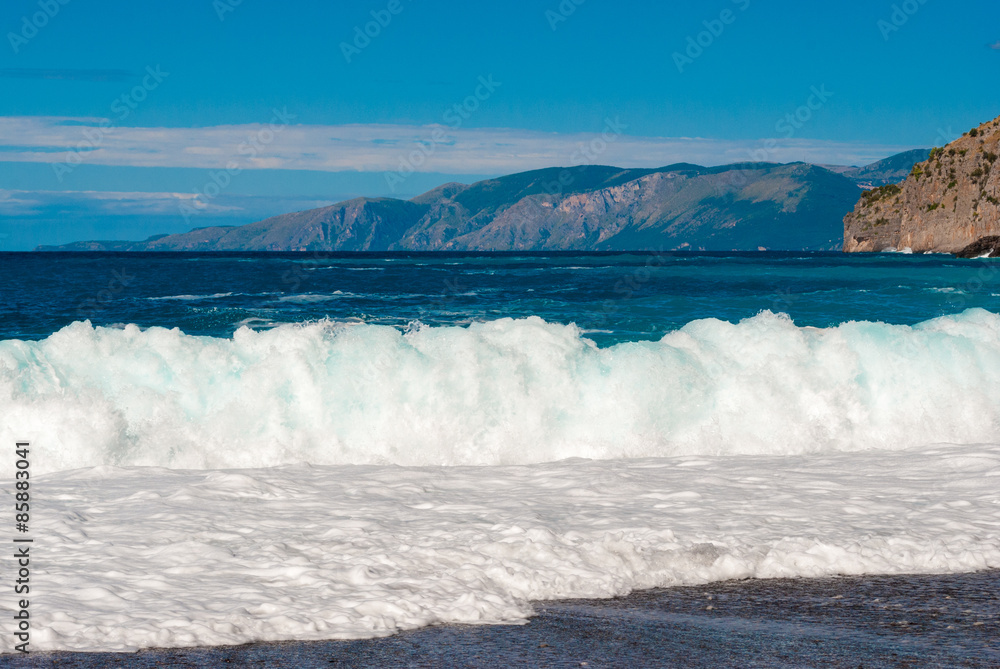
502, 392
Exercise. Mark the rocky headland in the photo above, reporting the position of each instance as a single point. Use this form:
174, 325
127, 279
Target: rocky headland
950, 203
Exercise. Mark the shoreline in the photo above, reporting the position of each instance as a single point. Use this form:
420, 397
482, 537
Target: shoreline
845, 621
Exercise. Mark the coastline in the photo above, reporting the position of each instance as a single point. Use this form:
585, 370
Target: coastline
848, 621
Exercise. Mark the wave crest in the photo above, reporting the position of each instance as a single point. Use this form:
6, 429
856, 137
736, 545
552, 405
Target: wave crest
502, 392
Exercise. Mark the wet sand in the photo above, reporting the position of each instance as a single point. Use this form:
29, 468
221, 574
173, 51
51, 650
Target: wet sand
858, 622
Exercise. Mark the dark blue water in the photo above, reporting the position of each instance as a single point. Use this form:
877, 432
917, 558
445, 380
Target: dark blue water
613, 297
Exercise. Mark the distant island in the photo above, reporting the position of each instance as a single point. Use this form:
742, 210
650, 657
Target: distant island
949, 203
744, 207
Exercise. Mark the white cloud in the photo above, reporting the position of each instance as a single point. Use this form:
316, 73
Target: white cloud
21, 203
380, 148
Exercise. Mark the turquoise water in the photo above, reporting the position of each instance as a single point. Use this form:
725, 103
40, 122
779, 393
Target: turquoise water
611, 297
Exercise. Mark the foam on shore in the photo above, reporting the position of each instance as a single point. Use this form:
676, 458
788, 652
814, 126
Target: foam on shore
144, 557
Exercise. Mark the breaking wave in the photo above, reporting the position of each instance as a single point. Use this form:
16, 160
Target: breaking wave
501, 392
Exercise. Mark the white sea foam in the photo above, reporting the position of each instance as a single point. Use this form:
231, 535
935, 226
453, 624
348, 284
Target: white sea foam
762, 450
190, 298
503, 392
308, 298
141, 557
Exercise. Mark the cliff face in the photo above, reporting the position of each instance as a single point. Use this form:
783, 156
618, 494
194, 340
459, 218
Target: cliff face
948, 202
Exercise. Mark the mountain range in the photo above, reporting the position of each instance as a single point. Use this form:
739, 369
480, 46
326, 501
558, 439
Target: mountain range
745, 206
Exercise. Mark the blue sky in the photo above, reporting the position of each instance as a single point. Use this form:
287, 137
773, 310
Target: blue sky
124, 119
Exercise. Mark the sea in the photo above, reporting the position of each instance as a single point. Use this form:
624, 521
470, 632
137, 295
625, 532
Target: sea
241, 447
